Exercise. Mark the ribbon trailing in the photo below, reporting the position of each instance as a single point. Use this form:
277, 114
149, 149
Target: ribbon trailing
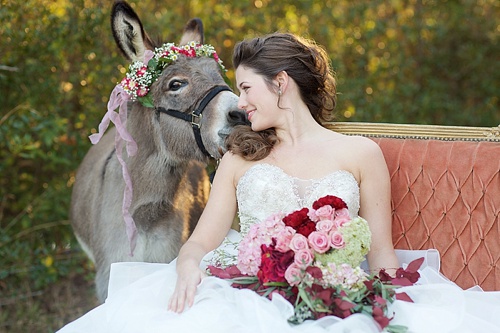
119, 98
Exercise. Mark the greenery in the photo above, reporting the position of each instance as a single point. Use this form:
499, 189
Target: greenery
402, 61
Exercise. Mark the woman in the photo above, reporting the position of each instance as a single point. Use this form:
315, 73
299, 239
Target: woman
286, 84
284, 162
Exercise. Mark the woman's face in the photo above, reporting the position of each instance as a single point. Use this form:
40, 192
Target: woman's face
258, 101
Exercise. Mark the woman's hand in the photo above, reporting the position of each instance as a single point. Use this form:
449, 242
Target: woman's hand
189, 277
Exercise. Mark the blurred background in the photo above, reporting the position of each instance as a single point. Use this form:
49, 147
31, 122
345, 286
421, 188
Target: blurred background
399, 61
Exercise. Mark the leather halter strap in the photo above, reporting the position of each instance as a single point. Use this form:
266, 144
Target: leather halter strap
196, 116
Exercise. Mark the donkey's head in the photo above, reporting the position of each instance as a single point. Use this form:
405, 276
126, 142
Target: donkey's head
187, 110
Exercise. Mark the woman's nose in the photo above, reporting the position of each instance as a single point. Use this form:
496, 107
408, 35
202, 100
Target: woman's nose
242, 103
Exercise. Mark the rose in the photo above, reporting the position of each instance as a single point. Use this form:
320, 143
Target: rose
306, 228
294, 274
283, 239
342, 216
299, 242
322, 213
319, 241
337, 240
303, 258
325, 225
300, 221
330, 200
296, 218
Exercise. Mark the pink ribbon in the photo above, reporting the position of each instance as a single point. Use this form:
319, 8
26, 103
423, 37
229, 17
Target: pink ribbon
119, 98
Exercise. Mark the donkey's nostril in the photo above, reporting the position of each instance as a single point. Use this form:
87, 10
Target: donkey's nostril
237, 118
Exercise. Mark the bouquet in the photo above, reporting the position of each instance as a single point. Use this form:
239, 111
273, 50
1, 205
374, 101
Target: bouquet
312, 258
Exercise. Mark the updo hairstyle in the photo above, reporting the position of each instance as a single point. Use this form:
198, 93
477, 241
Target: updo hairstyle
305, 62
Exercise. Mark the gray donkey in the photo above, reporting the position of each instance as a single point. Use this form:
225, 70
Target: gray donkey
170, 184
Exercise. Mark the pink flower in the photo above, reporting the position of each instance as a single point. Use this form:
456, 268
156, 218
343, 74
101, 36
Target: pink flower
303, 258
141, 71
325, 212
325, 225
293, 274
283, 239
299, 242
337, 240
142, 91
319, 241
341, 217
249, 258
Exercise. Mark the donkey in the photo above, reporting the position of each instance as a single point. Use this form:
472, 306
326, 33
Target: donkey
168, 173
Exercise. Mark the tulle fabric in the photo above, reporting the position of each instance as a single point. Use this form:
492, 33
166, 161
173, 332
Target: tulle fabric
139, 293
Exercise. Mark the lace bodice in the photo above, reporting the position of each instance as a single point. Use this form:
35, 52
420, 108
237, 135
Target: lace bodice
266, 189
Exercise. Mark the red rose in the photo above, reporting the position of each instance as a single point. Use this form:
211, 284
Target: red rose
306, 228
330, 200
296, 218
300, 221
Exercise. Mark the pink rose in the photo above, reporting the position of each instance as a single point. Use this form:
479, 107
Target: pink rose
337, 240
293, 274
325, 225
299, 242
283, 239
319, 241
325, 212
303, 258
341, 217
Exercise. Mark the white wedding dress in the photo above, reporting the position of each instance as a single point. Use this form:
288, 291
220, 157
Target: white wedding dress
139, 292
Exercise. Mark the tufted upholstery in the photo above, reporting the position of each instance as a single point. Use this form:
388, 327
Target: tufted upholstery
446, 195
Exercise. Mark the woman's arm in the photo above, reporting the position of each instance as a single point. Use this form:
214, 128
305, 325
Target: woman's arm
375, 207
210, 231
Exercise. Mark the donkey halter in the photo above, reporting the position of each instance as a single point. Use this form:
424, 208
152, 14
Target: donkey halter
196, 116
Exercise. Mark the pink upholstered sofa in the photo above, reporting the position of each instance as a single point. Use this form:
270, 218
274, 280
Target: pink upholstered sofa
445, 194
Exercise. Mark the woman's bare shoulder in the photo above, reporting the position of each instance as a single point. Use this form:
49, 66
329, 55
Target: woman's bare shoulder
235, 165
359, 143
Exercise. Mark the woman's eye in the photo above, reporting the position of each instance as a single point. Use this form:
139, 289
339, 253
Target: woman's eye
175, 85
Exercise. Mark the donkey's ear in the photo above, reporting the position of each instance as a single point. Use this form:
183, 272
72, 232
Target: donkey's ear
193, 31
128, 32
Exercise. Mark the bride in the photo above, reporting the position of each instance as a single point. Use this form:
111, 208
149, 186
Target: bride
284, 162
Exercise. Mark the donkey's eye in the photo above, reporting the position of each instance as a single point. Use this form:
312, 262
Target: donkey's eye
175, 85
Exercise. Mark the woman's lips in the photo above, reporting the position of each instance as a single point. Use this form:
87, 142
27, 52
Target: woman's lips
249, 114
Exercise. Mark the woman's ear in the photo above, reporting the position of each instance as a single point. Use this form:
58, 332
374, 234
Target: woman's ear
282, 81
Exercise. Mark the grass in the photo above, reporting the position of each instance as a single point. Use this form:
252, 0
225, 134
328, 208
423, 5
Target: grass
47, 310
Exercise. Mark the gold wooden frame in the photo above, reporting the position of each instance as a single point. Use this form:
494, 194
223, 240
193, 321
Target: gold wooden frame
438, 132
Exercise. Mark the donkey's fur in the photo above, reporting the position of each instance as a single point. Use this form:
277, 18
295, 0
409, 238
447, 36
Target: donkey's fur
170, 185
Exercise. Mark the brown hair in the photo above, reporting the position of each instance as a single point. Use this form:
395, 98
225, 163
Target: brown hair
305, 62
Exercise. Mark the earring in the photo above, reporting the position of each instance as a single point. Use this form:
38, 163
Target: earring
279, 92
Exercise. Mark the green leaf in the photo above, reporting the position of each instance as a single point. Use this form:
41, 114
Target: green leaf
305, 297
152, 64
147, 101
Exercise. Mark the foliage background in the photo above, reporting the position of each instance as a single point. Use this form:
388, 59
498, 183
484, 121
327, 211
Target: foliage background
402, 61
